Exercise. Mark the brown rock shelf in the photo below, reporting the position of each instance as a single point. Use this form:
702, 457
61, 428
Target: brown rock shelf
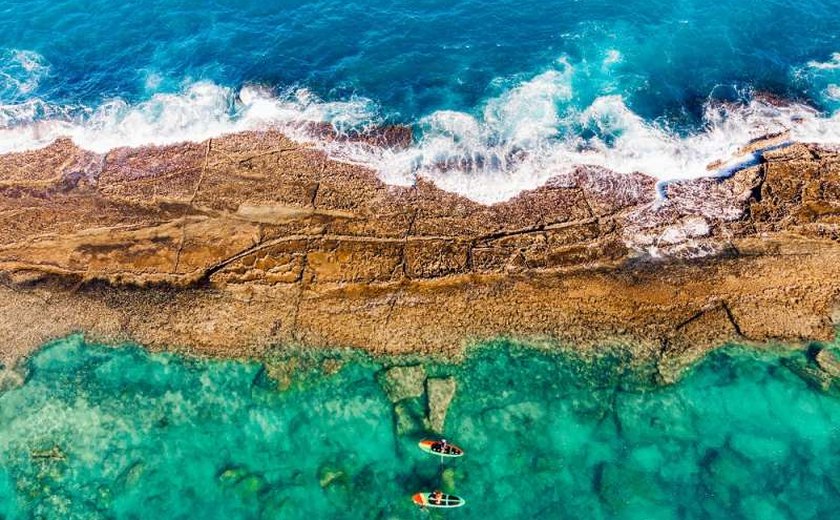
239, 243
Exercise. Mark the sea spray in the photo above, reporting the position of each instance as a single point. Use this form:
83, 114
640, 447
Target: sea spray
488, 159
500, 96
200, 111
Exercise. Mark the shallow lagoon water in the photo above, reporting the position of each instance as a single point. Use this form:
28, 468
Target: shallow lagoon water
101, 432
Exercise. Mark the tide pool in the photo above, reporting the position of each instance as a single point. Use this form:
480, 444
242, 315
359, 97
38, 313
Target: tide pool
102, 432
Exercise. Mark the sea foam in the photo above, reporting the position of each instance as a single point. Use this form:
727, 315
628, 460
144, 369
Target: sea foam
533, 130
200, 111
832, 64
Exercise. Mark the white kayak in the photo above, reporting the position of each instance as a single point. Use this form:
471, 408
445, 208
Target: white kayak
441, 500
440, 449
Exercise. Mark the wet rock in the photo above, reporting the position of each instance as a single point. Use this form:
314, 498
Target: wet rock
232, 246
440, 393
706, 326
715, 199
607, 192
763, 142
403, 382
391, 136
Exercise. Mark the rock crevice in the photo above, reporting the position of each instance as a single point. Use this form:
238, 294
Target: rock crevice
252, 240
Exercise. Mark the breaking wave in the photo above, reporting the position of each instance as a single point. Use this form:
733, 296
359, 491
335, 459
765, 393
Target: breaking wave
534, 129
200, 111
832, 64
531, 133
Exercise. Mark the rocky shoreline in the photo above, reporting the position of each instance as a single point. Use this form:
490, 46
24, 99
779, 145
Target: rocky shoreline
241, 243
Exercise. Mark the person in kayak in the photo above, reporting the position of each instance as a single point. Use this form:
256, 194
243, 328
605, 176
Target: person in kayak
442, 445
437, 497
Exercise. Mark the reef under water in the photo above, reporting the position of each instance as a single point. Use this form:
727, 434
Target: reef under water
94, 431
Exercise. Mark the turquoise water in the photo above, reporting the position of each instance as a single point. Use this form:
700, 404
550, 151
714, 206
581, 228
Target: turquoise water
631, 85
98, 432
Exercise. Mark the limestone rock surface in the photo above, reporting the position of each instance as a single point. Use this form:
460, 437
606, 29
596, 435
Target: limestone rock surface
241, 243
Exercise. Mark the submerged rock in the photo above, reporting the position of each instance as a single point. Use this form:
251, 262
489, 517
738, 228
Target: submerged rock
9, 379
828, 362
247, 484
329, 475
232, 475
408, 417
440, 392
808, 372
447, 480
818, 367
251, 486
131, 476
282, 372
403, 382
331, 366
54, 453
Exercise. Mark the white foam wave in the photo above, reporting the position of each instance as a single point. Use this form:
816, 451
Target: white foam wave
201, 111
831, 64
531, 132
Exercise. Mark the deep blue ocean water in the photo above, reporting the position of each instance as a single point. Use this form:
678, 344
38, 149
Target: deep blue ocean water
416, 57
631, 85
